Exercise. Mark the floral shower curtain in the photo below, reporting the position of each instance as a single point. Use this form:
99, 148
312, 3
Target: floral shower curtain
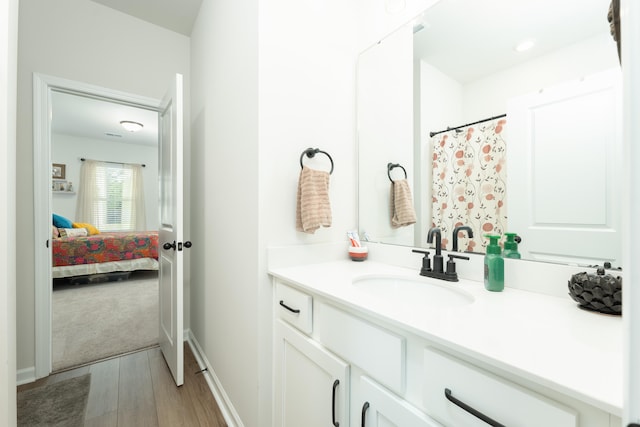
469, 183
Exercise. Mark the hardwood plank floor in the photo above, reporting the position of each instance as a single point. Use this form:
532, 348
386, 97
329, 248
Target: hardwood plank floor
137, 389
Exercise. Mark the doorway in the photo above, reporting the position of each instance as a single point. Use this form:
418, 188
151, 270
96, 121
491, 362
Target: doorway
46, 89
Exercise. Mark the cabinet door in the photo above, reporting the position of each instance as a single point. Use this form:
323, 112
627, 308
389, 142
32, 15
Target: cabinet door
312, 385
380, 408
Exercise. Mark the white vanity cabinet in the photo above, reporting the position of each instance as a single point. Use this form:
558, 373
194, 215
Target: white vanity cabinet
313, 376
311, 384
337, 365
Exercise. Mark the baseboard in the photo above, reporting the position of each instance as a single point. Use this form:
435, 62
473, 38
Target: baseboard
26, 375
226, 407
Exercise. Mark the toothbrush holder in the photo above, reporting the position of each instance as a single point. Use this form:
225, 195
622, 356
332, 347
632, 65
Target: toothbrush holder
358, 253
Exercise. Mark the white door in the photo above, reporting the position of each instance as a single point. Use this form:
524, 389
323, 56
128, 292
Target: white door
564, 171
170, 255
311, 384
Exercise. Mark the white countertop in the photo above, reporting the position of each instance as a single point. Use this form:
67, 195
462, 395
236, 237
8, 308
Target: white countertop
541, 338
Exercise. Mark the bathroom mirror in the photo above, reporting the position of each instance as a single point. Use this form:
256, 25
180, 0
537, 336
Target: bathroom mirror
458, 63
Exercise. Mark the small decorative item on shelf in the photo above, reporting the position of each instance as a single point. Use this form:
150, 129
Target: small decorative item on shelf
597, 292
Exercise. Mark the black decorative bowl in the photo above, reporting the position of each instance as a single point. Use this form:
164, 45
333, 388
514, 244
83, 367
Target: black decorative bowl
597, 292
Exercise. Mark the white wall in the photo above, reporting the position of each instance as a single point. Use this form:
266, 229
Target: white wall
224, 171
87, 42
8, 66
449, 103
68, 150
488, 97
375, 20
259, 99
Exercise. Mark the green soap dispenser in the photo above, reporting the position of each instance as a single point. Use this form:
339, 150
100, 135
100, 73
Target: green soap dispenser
511, 246
493, 265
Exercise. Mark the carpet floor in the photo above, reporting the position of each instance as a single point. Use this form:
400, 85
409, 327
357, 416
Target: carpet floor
61, 404
97, 321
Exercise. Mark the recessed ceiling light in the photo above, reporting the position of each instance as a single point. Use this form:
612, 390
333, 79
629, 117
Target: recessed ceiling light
131, 126
525, 45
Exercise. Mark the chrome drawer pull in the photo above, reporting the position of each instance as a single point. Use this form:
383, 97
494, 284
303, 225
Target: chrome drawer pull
293, 310
470, 410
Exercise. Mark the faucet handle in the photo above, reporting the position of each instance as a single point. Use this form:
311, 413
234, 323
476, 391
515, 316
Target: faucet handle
451, 267
426, 262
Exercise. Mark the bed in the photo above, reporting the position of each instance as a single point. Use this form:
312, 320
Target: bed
104, 253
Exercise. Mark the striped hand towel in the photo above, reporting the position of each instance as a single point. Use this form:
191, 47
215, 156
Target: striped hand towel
402, 211
313, 209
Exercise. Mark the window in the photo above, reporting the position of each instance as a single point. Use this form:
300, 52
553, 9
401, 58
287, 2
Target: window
111, 196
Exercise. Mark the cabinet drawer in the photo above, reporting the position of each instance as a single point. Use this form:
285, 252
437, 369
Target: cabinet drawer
294, 307
379, 352
504, 402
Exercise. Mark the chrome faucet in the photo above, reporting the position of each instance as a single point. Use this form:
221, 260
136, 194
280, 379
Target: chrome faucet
455, 235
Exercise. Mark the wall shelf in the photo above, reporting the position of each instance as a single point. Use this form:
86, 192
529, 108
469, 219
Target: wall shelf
62, 192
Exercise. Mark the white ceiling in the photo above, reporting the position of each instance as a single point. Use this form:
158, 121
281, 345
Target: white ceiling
175, 15
97, 119
469, 39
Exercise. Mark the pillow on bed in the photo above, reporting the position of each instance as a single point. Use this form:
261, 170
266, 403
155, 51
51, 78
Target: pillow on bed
90, 228
55, 233
73, 232
62, 222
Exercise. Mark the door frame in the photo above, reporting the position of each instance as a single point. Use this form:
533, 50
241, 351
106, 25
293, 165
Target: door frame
43, 85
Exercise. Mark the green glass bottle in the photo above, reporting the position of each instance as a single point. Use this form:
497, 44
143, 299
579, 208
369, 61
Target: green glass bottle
493, 265
511, 246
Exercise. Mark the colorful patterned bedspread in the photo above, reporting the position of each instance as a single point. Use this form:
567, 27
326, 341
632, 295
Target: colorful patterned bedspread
105, 247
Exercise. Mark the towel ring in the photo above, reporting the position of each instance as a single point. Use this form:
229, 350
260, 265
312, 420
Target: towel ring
311, 152
391, 166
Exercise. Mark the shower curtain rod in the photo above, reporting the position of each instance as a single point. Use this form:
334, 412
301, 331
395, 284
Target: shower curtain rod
116, 163
432, 134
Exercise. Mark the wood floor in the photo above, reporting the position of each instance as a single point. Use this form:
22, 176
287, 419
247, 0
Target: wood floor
138, 390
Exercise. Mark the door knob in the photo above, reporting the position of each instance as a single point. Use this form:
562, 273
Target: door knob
187, 244
168, 246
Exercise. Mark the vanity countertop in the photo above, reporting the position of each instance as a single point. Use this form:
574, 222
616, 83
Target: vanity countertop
541, 338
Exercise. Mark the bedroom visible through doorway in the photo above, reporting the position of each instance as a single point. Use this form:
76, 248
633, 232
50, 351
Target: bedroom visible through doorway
104, 239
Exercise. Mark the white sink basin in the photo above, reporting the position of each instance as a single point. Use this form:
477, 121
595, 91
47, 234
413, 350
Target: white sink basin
418, 293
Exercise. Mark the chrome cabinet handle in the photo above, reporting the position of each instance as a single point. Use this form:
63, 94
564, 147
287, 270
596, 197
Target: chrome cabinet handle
293, 310
471, 410
364, 413
333, 404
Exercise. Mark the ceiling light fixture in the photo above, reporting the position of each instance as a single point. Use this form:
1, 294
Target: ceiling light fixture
131, 126
524, 45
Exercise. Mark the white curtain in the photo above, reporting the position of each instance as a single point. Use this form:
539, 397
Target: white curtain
111, 196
